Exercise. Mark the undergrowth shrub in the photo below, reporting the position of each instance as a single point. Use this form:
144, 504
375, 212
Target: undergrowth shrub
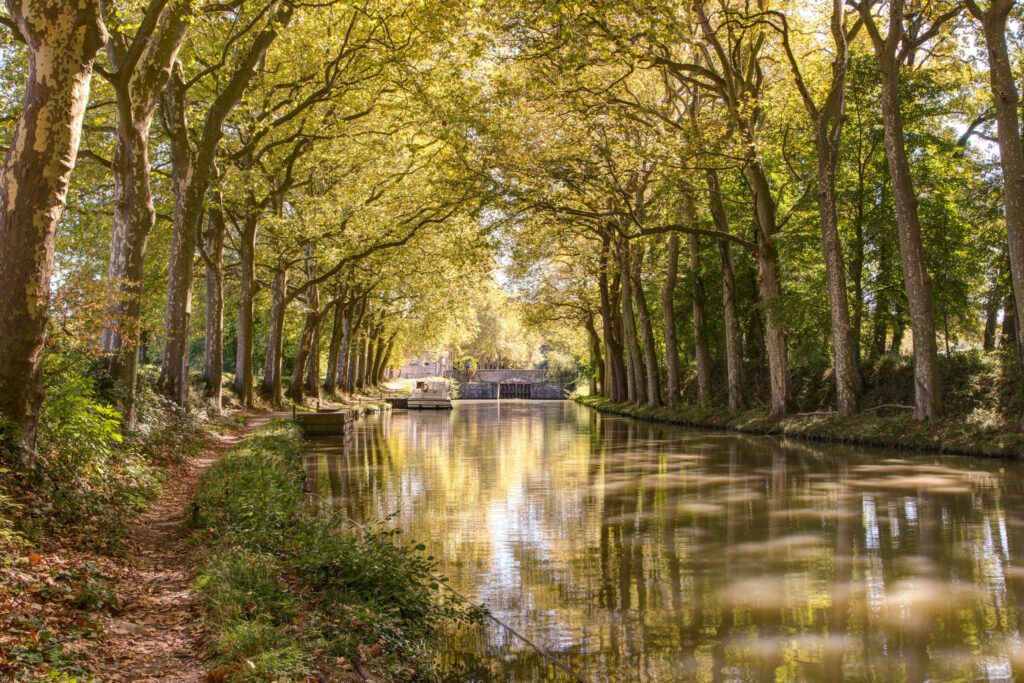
288, 592
163, 431
9, 537
86, 474
92, 472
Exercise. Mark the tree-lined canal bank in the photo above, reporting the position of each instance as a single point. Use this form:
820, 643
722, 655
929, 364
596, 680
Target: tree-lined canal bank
896, 430
640, 551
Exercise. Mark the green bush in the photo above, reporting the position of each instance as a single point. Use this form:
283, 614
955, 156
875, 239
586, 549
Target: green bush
9, 538
86, 472
287, 591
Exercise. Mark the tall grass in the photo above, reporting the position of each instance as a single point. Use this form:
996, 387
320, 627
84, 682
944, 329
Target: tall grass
290, 594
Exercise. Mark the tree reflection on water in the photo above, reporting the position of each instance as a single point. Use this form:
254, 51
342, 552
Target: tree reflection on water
635, 551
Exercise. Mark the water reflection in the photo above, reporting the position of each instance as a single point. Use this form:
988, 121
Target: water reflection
639, 552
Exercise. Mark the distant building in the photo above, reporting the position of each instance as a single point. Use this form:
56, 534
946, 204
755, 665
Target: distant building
426, 365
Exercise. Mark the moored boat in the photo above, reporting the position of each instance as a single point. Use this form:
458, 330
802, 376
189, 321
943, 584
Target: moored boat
430, 395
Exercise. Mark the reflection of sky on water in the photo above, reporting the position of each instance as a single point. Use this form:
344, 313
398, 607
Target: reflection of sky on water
642, 552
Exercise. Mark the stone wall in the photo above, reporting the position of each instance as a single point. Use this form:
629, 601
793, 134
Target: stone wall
548, 391
478, 390
489, 390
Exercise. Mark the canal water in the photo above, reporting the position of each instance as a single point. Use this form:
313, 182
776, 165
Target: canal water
631, 551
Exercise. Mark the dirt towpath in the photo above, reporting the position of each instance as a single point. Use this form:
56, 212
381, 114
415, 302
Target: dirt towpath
156, 636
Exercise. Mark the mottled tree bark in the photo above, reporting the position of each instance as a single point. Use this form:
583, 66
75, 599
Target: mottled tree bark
368, 355
668, 317
844, 357
1011, 153
700, 325
334, 348
63, 37
615, 371
648, 345
193, 170
213, 348
769, 286
188, 206
385, 359
596, 358
827, 122
244, 373
271, 386
733, 338
991, 324
341, 380
378, 357
916, 280
1009, 331
141, 67
313, 369
350, 345
740, 89
636, 387
362, 347
313, 304
296, 385
351, 364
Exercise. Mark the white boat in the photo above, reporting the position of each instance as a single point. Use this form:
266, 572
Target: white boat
430, 395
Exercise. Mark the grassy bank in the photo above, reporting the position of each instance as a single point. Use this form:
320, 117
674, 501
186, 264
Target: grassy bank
901, 431
983, 403
290, 595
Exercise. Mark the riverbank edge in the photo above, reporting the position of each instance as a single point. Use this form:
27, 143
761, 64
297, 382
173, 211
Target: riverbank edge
287, 593
947, 436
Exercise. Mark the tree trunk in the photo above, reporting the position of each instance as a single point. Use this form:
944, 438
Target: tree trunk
857, 266
733, 338
385, 359
190, 185
844, 359
1009, 331
351, 365
360, 364
635, 373
648, 345
615, 372
213, 350
1011, 154
351, 345
769, 287
64, 37
596, 357
371, 351
700, 327
334, 350
136, 89
275, 338
991, 324
668, 312
916, 280
378, 359
313, 365
193, 171
296, 383
313, 303
134, 216
246, 294
341, 381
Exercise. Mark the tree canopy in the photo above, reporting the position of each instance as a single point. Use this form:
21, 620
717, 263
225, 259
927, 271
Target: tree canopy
712, 202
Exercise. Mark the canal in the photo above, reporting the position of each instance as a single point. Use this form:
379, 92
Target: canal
632, 551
